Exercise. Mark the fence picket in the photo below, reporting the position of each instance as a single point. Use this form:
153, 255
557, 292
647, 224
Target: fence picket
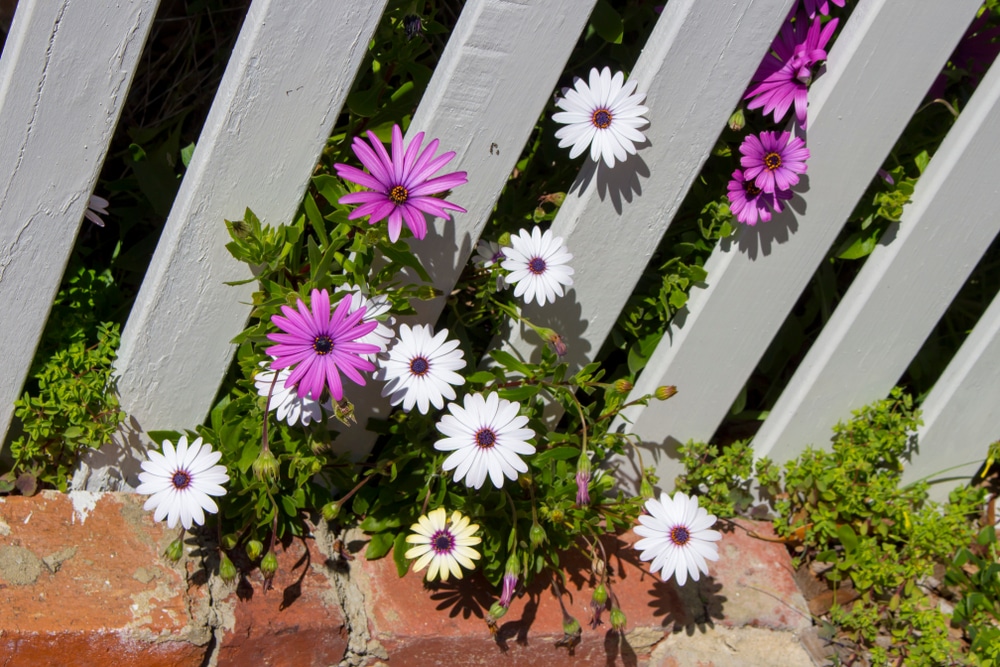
902, 290
284, 86
499, 69
635, 204
754, 280
59, 112
960, 413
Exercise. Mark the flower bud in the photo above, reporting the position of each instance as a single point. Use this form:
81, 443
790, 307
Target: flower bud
623, 385
175, 550
229, 541
600, 595
558, 344
646, 489
269, 565
618, 619
536, 535
510, 579
583, 480
226, 568
266, 467
412, 25
343, 410
254, 549
331, 510
663, 393
497, 611
504, 240
737, 121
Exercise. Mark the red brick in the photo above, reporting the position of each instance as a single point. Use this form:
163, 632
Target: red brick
439, 623
90, 587
298, 623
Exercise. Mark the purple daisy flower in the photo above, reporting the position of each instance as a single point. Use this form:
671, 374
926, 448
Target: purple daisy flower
401, 185
321, 346
749, 203
773, 161
784, 76
822, 6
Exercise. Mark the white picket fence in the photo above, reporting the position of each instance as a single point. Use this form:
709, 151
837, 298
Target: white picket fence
67, 67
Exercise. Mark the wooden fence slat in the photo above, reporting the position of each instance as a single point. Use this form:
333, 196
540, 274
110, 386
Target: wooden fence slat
498, 71
877, 73
64, 76
276, 106
960, 413
903, 289
612, 223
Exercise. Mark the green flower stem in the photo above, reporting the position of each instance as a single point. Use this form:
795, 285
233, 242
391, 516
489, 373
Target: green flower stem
543, 332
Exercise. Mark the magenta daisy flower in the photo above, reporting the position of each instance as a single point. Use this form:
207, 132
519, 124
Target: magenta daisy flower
401, 186
784, 76
773, 161
811, 7
321, 346
749, 203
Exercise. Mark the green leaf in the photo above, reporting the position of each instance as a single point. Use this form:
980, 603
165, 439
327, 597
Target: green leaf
522, 393
510, 362
379, 546
607, 22
186, 154
847, 537
556, 454
858, 245
373, 524
480, 377
399, 548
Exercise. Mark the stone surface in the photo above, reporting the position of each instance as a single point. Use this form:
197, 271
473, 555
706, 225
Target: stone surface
298, 622
439, 623
82, 582
730, 647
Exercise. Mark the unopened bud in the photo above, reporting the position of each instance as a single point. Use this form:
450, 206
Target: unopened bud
269, 565
343, 410
536, 535
412, 25
174, 550
229, 541
646, 489
497, 611
266, 467
558, 344
737, 121
600, 595
226, 568
623, 385
618, 619
254, 549
663, 393
504, 240
331, 510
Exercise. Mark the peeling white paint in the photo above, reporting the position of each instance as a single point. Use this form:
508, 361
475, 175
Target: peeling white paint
84, 503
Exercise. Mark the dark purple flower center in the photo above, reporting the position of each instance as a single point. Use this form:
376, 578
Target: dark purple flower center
419, 366
537, 266
322, 344
398, 195
601, 119
679, 535
442, 542
772, 161
181, 480
486, 438
750, 189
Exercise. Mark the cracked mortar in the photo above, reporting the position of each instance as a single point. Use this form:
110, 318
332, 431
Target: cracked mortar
352, 591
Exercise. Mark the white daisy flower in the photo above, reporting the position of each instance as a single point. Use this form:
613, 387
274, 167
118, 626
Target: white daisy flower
376, 309
443, 543
420, 368
484, 437
179, 482
286, 400
536, 263
677, 537
488, 253
96, 207
605, 115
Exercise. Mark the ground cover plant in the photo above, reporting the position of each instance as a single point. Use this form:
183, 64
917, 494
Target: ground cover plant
470, 471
